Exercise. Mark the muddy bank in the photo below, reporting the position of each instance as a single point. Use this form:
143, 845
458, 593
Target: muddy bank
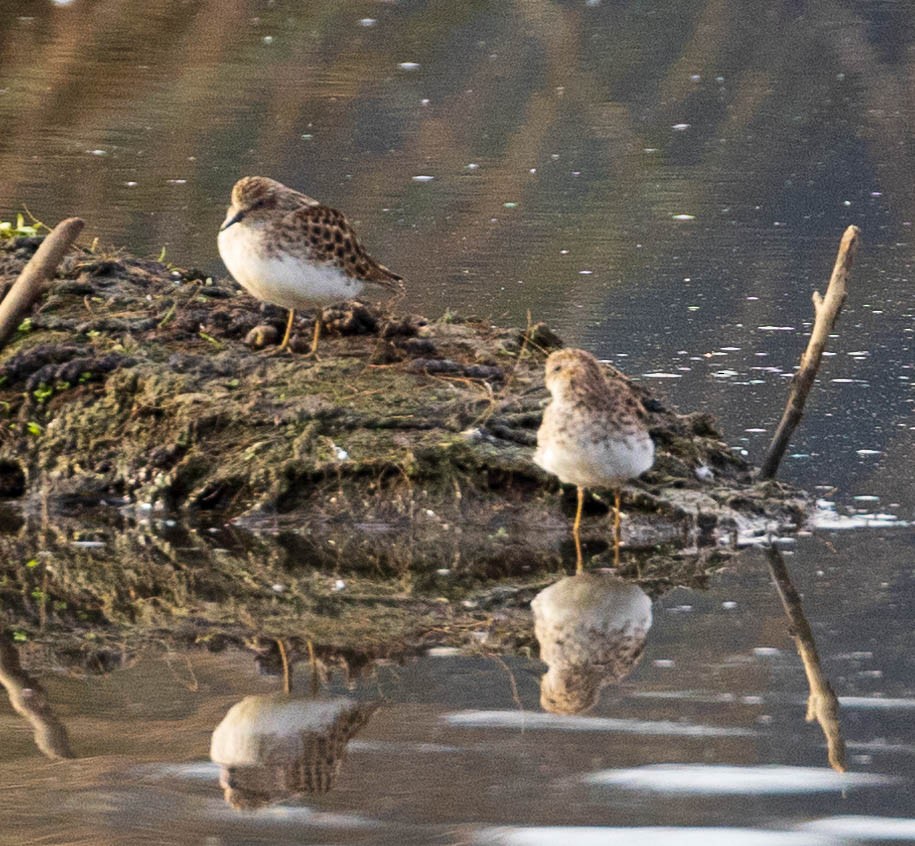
136, 394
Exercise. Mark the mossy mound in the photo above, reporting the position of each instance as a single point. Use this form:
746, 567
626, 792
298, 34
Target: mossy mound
132, 384
398, 463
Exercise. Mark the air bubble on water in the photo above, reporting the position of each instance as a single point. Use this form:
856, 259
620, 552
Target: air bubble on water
367, 22
408, 66
680, 127
422, 178
765, 651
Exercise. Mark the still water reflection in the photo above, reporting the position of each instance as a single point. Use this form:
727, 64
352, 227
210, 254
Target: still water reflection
665, 186
456, 748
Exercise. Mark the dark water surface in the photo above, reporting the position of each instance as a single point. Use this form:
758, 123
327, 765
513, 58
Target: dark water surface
707, 734
665, 184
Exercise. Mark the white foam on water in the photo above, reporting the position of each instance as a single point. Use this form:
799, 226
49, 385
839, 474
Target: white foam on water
864, 828
528, 720
646, 836
729, 780
876, 702
826, 517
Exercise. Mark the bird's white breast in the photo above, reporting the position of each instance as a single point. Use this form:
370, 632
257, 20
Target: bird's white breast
607, 463
284, 279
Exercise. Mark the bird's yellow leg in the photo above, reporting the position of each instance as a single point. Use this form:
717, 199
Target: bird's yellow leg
314, 341
287, 674
616, 528
576, 526
288, 329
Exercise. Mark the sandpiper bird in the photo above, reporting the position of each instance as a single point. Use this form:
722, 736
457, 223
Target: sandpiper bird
288, 249
593, 433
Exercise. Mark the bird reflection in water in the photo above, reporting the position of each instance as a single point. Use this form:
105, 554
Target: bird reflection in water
591, 629
280, 746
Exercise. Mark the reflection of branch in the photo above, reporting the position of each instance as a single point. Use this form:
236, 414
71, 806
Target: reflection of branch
29, 699
822, 704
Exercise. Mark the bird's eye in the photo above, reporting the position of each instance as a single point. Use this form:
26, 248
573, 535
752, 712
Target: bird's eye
555, 368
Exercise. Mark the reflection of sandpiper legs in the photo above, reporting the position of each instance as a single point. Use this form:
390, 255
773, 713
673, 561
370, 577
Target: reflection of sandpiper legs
616, 527
576, 526
313, 662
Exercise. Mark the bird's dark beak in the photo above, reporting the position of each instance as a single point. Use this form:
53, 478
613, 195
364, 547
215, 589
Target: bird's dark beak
234, 219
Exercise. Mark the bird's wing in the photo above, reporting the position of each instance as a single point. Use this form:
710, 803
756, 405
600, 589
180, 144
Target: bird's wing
331, 239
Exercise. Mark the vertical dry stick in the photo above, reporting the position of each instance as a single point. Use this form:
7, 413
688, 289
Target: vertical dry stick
826, 310
36, 275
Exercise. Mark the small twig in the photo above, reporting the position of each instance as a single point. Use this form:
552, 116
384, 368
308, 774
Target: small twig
822, 702
29, 699
36, 276
827, 311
